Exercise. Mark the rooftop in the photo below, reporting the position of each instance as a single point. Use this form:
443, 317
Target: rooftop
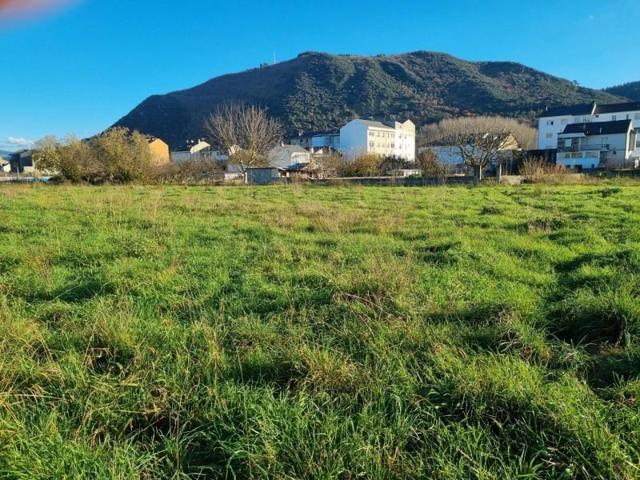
591, 109
618, 107
583, 109
598, 128
375, 124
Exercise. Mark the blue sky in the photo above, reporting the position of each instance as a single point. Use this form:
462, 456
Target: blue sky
80, 68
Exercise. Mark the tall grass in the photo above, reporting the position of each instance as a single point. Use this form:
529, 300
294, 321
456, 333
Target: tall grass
301, 332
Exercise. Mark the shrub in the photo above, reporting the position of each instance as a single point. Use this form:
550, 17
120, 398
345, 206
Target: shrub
430, 165
362, 166
116, 156
192, 172
538, 170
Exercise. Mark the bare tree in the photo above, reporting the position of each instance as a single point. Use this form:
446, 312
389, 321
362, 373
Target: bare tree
479, 140
247, 132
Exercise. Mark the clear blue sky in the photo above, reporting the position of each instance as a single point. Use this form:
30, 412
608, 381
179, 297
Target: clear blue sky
80, 68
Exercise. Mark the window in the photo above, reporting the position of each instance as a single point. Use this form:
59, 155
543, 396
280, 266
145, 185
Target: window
549, 135
549, 122
567, 142
372, 144
614, 118
637, 116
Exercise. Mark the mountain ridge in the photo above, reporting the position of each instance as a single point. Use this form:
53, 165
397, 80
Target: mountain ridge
318, 91
630, 90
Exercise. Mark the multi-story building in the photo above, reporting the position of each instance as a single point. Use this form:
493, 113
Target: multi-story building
554, 121
363, 137
590, 145
317, 141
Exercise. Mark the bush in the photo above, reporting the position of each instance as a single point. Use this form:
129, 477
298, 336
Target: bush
116, 156
363, 166
190, 172
428, 162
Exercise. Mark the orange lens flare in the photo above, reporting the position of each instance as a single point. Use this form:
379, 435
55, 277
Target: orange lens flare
22, 8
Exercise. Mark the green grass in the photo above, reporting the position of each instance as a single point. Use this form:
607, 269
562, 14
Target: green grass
300, 332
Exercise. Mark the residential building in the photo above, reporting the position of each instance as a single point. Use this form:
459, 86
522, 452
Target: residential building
302, 140
554, 121
363, 137
159, 151
5, 165
324, 141
283, 156
590, 145
451, 155
317, 141
22, 162
196, 150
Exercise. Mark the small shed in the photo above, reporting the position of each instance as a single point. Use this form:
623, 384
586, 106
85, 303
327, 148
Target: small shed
263, 175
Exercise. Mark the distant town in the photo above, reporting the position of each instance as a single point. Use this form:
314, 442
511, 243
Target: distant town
580, 139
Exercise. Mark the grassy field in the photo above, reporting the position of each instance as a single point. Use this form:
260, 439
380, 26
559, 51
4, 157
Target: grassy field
300, 332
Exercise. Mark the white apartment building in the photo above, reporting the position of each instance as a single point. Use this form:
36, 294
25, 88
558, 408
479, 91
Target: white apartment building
590, 145
363, 137
554, 121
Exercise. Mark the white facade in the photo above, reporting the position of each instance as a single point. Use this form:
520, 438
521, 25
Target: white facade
554, 122
592, 145
363, 137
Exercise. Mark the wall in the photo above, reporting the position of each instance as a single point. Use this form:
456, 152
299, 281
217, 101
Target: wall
548, 130
405, 141
262, 176
353, 140
159, 152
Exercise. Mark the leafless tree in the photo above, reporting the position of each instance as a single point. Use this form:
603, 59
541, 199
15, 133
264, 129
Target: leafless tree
480, 139
247, 132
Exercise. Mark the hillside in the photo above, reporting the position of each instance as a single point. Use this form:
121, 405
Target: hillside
316, 92
628, 90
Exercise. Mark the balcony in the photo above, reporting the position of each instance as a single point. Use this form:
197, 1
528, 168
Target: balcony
585, 148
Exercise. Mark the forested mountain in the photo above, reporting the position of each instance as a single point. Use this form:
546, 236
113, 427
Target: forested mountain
319, 92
